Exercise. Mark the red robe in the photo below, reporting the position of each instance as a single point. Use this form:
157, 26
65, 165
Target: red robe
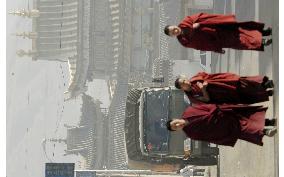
225, 124
229, 88
218, 31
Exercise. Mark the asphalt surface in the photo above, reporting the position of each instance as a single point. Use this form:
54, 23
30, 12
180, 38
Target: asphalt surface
246, 159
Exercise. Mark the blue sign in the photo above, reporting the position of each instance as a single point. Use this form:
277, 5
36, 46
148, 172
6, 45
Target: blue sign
85, 174
59, 169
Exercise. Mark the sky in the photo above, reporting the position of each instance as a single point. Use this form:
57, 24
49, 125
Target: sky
35, 106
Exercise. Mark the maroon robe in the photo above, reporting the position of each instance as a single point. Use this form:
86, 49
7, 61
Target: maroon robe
218, 31
229, 88
225, 124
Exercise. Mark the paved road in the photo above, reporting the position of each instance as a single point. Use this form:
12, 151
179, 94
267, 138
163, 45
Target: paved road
245, 159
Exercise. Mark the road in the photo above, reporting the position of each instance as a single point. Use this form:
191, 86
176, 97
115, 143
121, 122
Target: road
245, 159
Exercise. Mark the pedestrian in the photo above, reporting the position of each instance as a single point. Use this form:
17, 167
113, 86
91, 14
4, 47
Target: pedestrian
214, 32
221, 88
224, 124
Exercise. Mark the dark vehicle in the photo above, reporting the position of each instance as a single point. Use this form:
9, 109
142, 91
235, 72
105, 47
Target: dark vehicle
147, 139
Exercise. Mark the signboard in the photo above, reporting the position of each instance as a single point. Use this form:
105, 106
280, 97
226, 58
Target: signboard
85, 174
59, 169
158, 79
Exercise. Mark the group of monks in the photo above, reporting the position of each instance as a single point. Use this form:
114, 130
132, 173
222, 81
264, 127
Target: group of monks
221, 110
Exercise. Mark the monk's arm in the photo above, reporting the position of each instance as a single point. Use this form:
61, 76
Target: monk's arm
205, 97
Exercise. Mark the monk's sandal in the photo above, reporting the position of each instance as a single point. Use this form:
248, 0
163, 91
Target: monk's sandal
270, 132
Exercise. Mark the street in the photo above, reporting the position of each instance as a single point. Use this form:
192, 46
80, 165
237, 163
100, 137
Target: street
245, 159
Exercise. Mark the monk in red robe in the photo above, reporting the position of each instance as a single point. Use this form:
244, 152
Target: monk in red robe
213, 32
226, 88
224, 124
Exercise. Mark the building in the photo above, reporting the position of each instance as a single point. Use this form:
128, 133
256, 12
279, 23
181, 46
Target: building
87, 138
162, 65
121, 18
73, 31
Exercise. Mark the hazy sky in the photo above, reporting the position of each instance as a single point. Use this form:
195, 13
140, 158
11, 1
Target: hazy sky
35, 103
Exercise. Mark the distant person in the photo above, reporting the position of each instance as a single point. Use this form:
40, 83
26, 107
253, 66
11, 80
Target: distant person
214, 32
224, 124
225, 88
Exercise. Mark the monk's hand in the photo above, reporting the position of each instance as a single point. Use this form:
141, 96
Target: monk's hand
205, 84
200, 85
195, 25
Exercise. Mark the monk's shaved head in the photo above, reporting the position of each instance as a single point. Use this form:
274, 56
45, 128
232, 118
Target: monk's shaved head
167, 30
183, 83
168, 124
175, 124
172, 30
177, 83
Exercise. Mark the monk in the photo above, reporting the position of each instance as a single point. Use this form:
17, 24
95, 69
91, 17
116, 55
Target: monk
224, 124
213, 32
221, 88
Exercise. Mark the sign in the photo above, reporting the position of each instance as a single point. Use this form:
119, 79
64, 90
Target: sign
85, 174
158, 79
59, 169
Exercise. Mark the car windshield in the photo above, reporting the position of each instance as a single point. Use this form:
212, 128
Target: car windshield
156, 113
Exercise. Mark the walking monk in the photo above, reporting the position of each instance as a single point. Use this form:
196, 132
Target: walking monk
213, 32
221, 88
224, 124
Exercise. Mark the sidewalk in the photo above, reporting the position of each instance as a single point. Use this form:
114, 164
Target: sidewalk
246, 159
